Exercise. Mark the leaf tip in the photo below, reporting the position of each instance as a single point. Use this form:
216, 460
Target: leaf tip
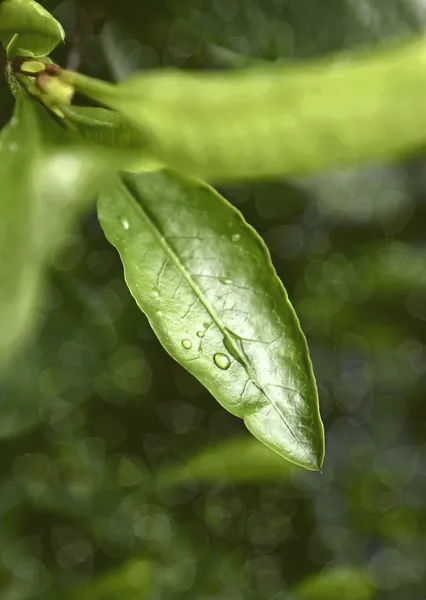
311, 459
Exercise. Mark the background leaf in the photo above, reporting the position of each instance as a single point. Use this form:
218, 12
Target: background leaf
211, 294
47, 182
275, 120
237, 461
109, 131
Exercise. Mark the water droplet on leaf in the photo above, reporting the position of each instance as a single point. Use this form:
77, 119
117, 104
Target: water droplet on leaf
187, 344
235, 238
200, 334
126, 224
222, 361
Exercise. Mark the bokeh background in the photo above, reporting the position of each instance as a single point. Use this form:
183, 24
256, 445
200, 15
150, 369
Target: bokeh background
120, 476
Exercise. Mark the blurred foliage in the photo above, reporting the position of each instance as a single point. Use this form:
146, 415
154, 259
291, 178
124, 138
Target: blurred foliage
119, 474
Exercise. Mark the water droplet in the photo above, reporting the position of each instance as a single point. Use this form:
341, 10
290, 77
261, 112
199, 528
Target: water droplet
126, 224
155, 294
187, 344
222, 361
201, 334
235, 238
160, 313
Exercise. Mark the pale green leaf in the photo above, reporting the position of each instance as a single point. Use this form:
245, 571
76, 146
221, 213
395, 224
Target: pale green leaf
47, 180
27, 29
108, 130
276, 120
241, 460
205, 280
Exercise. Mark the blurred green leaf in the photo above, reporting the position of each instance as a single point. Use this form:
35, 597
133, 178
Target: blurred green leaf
47, 180
241, 460
337, 583
27, 29
205, 280
107, 129
275, 120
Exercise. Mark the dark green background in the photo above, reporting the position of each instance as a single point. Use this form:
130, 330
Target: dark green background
94, 407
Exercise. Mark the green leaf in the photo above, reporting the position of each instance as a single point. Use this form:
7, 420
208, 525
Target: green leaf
337, 583
205, 281
27, 29
240, 460
276, 120
47, 180
107, 129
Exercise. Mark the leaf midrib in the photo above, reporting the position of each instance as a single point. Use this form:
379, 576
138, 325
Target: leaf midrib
187, 276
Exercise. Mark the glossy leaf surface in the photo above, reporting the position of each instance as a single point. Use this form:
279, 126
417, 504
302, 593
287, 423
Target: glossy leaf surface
27, 29
205, 281
276, 120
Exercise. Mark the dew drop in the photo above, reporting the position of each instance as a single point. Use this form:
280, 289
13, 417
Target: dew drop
201, 334
187, 344
222, 361
235, 238
160, 313
155, 294
126, 224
